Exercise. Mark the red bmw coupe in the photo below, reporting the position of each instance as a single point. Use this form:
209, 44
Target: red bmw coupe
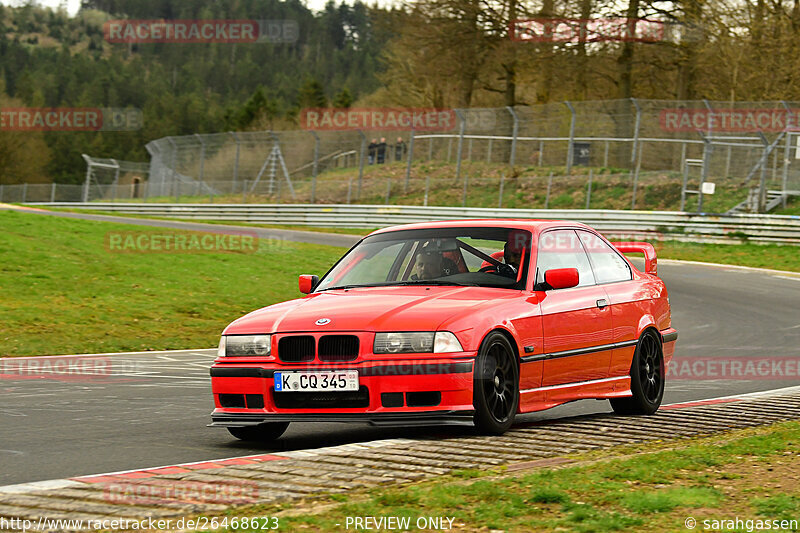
465, 322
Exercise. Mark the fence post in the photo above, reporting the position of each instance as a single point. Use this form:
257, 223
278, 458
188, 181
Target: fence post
704, 173
388, 189
636, 176
570, 147
349, 187
589, 188
427, 188
469, 149
360, 165
464, 194
489, 152
683, 155
786, 151
244, 192
460, 141
236, 160
637, 124
707, 148
202, 156
541, 152
174, 162
88, 177
315, 168
2, 190
430, 148
547, 196
449, 148
24, 192
636, 155
53, 192
502, 183
605, 156
514, 132
410, 158
728, 162
685, 179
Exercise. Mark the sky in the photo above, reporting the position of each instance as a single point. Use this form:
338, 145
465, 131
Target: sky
74, 5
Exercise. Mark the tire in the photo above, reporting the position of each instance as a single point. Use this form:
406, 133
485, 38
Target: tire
260, 433
647, 379
495, 389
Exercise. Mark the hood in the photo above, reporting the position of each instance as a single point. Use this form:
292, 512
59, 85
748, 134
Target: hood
370, 309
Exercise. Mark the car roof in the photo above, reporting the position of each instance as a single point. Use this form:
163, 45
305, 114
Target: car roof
534, 226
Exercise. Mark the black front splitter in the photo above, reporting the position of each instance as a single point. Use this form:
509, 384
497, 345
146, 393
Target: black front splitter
423, 418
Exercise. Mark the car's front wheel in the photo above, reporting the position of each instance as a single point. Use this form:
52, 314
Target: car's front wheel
495, 385
261, 433
647, 379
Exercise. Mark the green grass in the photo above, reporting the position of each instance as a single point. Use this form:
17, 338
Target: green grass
644, 487
63, 292
771, 256
317, 229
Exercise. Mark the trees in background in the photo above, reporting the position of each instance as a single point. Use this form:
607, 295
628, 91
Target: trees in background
720, 49
441, 53
50, 60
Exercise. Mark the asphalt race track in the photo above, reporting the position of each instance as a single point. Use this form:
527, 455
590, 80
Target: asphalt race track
151, 409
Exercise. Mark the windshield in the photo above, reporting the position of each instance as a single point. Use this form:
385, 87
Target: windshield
485, 257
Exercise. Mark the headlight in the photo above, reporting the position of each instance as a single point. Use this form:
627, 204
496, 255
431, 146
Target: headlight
446, 342
416, 342
244, 345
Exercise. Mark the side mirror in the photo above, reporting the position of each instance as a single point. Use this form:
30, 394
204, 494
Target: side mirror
307, 283
562, 278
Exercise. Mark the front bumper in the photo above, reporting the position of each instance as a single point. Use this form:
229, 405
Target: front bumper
443, 383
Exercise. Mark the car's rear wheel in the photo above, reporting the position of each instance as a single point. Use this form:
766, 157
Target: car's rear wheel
495, 385
647, 378
261, 433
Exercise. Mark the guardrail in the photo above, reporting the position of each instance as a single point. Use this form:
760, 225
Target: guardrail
690, 227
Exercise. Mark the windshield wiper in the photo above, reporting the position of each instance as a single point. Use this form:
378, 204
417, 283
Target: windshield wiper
400, 283
356, 286
434, 282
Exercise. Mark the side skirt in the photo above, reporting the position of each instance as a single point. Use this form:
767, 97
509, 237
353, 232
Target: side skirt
546, 397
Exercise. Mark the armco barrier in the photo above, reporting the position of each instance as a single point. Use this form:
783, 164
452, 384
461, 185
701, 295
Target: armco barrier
626, 224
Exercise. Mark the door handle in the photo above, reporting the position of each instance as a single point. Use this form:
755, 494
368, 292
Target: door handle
601, 303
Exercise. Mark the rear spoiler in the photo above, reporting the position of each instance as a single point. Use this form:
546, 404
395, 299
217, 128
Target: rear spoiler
650, 260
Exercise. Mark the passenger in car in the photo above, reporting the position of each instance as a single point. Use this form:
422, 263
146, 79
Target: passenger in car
512, 254
430, 264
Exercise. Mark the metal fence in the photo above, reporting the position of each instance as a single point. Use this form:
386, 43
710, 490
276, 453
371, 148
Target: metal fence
637, 140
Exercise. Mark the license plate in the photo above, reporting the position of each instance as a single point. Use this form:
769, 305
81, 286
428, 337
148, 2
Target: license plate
345, 380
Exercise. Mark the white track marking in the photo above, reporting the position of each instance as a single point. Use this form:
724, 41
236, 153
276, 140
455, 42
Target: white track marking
788, 274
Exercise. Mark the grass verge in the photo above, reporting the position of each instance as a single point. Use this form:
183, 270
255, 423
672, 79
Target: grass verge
65, 292
747, 474
774, 256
